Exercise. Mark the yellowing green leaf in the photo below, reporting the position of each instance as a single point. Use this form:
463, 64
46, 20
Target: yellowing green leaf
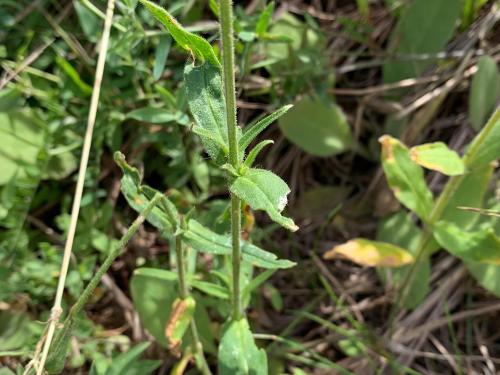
438, 157
317, 127
238, 354
405, 177
484, 91
193, 43
479, 246
371, 253
263, 190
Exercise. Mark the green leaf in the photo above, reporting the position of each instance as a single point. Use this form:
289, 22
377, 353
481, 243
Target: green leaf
204, 240
158, 115
74, 76
255, 152
252, 131
405, 178
424, 28
161, 56
264, 19
238, 354
487, 275
23, 137
486, 145
399, 229
136, 196
484, 91
263, 190
128, 363
206, 102
478, 246
438, 157
317, 127
89, 22
192, 43
470, 193
371, 253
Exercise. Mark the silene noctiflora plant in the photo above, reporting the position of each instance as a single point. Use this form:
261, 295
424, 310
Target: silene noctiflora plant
180, 322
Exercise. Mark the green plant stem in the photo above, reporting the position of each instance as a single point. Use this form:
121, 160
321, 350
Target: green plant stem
226, 22
184, 293
443, 200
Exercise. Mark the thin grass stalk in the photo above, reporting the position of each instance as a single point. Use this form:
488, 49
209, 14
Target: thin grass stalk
226, 30
57, 308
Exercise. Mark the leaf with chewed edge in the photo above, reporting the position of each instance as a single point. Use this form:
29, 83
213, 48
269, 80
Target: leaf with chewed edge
371, 253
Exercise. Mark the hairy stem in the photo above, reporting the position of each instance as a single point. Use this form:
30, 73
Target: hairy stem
226, 22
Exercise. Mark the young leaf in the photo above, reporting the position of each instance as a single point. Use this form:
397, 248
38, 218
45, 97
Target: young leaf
206, 102
196, 45
438, 157
484, 91
317, 127
136, 196
478, 246
180, 317
204, 240
263, 190
238, 354
255, 151
405, 178
371, 253
424, 28
161, 55
264, 19
254, 130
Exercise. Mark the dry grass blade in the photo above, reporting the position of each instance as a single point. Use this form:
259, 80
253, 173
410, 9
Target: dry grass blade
57, 309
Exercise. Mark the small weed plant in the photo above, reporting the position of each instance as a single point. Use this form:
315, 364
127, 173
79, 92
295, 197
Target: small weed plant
172, 303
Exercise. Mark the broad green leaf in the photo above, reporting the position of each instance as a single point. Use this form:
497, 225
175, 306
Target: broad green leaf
153, 292
263, 190
264, 19
180, 317
136, 196
424, 28
128, 363
161, 55
438, 157
23, 137
321, 201
371, 253
204, 240
206, 102
238, 354
196, 45
486, 145
479, 246
487, 275
158, 115
317, 127
470, 193
400, 230
252, 131
484, 91
405, 178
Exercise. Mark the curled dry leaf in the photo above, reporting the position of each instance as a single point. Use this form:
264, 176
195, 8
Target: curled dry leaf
371, 253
